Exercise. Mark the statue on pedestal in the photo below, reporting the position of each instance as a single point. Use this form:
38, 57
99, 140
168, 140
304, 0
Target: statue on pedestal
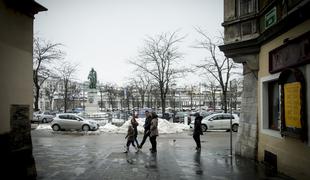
92, 77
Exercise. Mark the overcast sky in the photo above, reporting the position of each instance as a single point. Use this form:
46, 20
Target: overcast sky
105, 34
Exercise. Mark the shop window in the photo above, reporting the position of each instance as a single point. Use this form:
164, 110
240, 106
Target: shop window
273, 106
270, 114
293, 93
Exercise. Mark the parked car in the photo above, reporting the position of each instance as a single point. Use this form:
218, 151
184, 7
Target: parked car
179, 116
43, 117
167, 115
219, 121
68, 121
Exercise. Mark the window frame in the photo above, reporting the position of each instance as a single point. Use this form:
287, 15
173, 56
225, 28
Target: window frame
240, 3
264, 106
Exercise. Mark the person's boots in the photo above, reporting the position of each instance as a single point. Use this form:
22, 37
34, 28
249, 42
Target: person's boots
137, 149
126, 149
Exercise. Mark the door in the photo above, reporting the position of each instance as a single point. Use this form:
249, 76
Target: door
73, 122
226, 121
215, 122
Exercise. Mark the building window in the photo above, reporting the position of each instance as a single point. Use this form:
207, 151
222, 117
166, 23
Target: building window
273, 106
246, 7
270, 105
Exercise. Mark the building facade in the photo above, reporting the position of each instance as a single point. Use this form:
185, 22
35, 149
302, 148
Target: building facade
271, 39
16, 42
182, 98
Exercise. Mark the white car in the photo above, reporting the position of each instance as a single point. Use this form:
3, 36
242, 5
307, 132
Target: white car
43, 117
68, 121
219, 121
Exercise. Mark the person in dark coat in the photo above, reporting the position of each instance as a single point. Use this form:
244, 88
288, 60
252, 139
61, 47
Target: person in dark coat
197, 131
130, 138
135, 124
147, 125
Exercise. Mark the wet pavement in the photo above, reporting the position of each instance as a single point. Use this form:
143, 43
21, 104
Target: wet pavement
100, 156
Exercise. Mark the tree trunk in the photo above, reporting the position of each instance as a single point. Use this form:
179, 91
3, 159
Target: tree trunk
163, 103
148, 100
191, 96
37, 91
142, 101
101, 102
66, 96
36, 98
225, 101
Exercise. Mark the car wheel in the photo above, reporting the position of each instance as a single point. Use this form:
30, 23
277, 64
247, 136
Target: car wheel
234, 127
204, 128
85, 128
44, 120
56, 127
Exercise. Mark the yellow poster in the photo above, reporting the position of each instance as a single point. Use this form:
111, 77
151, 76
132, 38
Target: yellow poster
292, 104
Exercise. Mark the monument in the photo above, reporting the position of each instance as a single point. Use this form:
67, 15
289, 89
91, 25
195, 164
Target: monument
91, 105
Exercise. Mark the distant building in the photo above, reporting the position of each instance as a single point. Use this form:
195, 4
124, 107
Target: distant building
181, 98
272, 41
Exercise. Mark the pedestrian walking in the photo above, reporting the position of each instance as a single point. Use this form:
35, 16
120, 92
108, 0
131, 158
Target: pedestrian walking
130, 138
154, 132
197, 131
147, 125
135, 124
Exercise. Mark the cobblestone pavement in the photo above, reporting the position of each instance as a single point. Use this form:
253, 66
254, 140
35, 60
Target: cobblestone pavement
100, 156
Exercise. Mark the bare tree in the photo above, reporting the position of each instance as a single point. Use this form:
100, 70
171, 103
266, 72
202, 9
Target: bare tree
211, 96
66, 72
111, 91
74, 94
217, 65
236, 91
129, 89
50, 91
158, 58
101, 91
191, 95
142, 82
44, 53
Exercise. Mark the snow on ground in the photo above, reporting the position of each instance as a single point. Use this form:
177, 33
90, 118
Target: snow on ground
164, 127
44, 126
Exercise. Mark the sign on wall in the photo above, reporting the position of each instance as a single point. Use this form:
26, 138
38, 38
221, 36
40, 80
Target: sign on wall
271, 18
293, 53
292, 104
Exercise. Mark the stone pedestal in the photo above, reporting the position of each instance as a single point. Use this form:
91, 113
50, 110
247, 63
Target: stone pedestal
91, 105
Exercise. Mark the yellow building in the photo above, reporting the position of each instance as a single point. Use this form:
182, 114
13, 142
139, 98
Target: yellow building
16, 39
272, 41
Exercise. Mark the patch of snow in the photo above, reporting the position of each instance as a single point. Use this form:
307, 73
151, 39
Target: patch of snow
108, 128
44, 126
164, 127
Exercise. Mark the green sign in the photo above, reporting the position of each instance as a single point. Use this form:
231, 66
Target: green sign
271, 18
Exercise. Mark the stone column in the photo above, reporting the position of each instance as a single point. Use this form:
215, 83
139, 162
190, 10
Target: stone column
247, 137
17, 161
